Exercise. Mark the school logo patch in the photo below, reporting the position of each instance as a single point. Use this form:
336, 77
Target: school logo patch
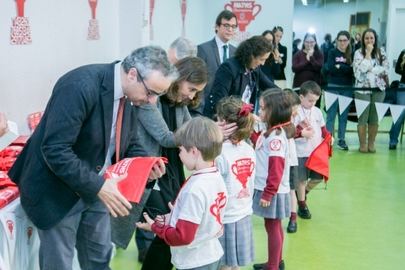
275, 145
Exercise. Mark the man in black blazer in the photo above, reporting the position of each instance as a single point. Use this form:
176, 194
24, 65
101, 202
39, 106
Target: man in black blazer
59, 172
213, 51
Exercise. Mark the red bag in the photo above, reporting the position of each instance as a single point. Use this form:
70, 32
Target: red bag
7, 195
318, 161
138, 169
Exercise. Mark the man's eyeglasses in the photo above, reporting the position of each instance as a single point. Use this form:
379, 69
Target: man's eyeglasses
229, 26
150, 92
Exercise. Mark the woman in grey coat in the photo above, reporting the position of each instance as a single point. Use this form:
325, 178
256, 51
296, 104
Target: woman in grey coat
155, 131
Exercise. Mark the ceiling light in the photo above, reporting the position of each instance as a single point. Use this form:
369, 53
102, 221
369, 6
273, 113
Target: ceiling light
305, 2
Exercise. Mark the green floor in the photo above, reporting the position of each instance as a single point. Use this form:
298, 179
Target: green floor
358, 222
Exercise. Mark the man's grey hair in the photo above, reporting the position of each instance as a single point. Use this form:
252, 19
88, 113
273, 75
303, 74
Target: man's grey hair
183, 47
148, 59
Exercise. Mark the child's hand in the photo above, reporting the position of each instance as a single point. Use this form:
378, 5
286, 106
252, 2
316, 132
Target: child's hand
147, 226
304, 123
332, 141
264, 203
307, 132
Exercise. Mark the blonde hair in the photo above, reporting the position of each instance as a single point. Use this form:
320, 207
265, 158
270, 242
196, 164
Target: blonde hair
202, 133
228, 109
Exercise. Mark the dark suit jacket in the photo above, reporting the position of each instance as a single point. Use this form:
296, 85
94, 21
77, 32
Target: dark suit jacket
63, 157
208, 51
231, 80
282, 50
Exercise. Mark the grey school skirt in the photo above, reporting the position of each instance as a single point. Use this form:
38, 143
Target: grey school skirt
237, 243
279, 207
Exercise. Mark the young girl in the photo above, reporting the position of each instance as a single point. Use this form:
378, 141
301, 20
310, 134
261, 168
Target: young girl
271, 199
292, 223
237, 166
195, 223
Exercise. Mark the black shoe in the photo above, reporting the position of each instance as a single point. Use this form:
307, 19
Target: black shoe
259, 266
392, 147
281, 266
342, 145
304, 213
291, 228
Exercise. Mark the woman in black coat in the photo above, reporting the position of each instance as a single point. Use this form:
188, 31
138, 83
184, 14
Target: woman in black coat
241, 75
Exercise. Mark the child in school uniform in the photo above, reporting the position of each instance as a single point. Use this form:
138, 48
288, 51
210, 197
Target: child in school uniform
292, 223
196, 220
311, 130
237, 166
271, 199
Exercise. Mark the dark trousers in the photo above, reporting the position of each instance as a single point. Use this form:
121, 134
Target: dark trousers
86, 228
158, 256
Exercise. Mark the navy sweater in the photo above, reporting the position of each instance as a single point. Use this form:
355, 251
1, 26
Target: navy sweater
342, 75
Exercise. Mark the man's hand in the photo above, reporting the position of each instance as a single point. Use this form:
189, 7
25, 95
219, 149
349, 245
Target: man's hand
158, 170
3, 124
109, 194
227, 129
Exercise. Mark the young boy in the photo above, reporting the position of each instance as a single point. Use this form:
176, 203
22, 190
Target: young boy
195, 222
310, 131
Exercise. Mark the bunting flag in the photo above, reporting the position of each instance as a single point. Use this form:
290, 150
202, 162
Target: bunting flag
20, 29
381, 108
344, 102
361, 105
396, 111
329, 99
93, 30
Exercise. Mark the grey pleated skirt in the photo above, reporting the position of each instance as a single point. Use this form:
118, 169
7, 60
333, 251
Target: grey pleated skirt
279, 207
237, 243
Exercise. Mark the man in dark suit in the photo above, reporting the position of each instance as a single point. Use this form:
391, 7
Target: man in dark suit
217, 50
60, 171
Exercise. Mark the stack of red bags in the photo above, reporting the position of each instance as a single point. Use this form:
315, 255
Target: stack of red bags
9, 190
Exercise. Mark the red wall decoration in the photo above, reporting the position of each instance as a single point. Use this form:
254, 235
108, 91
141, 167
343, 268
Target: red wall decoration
183, 5
20, 29
246, 11
93, 30
151, 10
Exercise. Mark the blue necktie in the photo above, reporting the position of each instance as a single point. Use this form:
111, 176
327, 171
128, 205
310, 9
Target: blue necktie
225, 55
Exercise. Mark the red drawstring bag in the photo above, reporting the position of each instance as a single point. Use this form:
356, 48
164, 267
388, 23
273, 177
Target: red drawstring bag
318, 161
138, 169
7, 195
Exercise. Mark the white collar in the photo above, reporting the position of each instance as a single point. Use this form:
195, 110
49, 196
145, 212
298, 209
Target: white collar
118, 92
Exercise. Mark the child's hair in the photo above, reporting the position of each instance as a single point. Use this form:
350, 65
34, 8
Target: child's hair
293, 97
294, 101
278, 110
234, 110
202, 133
310, 87
192, 70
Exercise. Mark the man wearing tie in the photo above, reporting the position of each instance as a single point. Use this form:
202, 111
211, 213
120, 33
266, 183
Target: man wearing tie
217, 50
60, 170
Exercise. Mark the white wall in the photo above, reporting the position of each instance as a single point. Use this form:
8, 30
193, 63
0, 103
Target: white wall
335, 16
59, 43
59, 32
395, 34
